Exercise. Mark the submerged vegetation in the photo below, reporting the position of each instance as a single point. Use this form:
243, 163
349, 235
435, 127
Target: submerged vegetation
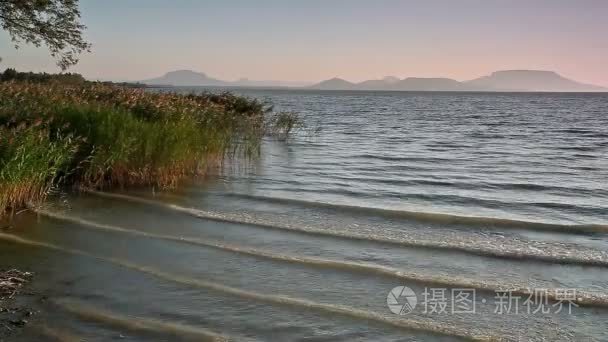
283, 124
96, 135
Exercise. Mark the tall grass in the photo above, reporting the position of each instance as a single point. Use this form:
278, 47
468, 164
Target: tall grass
31, 160
282, 124
96, 135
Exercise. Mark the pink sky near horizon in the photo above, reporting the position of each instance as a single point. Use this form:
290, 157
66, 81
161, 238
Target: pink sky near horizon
355, 40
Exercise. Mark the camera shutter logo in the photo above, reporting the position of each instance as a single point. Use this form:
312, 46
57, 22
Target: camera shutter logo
401, 300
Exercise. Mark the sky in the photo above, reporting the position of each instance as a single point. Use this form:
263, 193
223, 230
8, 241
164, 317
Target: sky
312, 40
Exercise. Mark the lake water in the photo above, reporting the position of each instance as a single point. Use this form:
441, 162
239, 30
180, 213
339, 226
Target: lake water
454, 195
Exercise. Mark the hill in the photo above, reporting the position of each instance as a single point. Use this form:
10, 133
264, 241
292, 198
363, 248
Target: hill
429, 84
334, 84
184, 78
530, 80
193, 78
506, 80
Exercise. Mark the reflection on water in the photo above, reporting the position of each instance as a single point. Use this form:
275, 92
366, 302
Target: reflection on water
488, 192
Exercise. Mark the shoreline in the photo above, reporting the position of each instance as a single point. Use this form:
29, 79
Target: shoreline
15, 309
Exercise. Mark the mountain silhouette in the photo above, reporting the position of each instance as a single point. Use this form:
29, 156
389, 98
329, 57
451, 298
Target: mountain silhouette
391, 79
184, 78
193, 78
334, 84
393, 83
384, 83
417, 83
530, 80
508, 80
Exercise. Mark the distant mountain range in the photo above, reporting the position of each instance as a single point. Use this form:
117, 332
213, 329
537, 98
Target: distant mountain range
531, 80
508, 80
410, 83
192, 78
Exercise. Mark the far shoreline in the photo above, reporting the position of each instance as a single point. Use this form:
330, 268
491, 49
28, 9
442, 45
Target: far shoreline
359, 91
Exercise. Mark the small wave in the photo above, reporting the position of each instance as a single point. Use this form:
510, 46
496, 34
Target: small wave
55, 334
244, 218
482, 135
432, 198
402, 323
537, 187
16, 239
400, 158
402, 182
585, 298
580, 149
152, 325
138, 324
399, 323
442, 218
582, 131
468, 185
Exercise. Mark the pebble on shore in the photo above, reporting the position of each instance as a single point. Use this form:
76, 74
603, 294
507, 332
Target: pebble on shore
11, 283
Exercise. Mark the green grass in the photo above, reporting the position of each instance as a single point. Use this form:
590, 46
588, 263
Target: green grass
100, 136
31, 160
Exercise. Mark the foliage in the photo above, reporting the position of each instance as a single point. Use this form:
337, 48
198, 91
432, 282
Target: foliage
13, 75
95, 135
54, 23
31, 159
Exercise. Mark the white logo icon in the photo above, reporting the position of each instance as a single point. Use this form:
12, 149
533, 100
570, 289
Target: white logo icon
401, 300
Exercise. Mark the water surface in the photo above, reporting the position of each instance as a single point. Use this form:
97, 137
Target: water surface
484, 191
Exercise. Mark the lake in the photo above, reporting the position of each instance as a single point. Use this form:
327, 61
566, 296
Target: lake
392, 216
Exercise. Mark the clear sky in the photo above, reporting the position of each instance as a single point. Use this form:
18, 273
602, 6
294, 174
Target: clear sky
311, 40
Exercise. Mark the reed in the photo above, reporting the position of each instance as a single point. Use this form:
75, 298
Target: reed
96, 135
31, 162
283, 124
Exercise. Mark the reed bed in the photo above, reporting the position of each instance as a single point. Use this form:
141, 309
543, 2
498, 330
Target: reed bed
96, 135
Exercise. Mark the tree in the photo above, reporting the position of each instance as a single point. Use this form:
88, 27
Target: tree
54, 23
9, 74
36, 77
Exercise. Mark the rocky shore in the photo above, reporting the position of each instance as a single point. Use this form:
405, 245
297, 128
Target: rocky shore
14, 313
